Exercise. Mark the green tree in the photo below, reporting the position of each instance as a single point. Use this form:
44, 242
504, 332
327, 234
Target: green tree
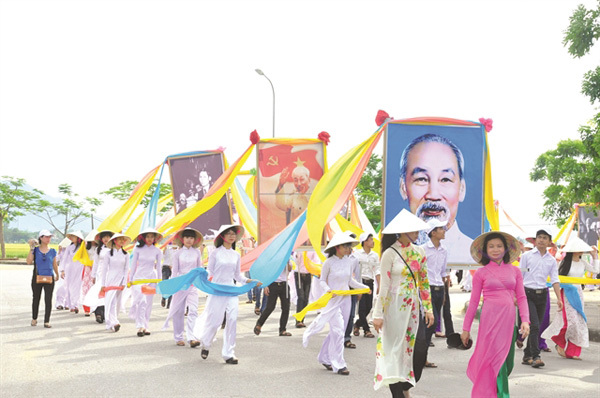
14, 201
123, 190
64, 215
369, 191
573, 168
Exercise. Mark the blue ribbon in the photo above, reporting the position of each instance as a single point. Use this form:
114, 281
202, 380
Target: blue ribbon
199, 278
572, 295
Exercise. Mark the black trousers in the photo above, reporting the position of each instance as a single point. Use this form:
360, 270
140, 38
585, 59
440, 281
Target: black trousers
447, 314
364, 307
37, 295
537, 308
437, 300
100, 311
282, 291
166, 274
419, 358
302, 282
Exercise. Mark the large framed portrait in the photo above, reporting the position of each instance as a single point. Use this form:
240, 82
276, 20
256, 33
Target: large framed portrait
437, 171
287, 173
191, 178
588, 228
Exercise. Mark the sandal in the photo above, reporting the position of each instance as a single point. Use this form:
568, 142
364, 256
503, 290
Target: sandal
527, 361
60, 307
257, 330
537, 363
140, 333
146, 333
180, 343
547, 349
327, 366
257, 311
343, 371
519, 344
47, 325
285, 333
560, 351
204, 354
369, 335
430, 365
440, 335
356, 332
349, 344
33, 322
194, 343
575, 358
117, 327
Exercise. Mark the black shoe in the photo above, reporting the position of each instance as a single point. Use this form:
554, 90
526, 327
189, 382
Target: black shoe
232, 361
431, 344
204, 354
117, 327
140, 334
163, 302
343, 372
99, 319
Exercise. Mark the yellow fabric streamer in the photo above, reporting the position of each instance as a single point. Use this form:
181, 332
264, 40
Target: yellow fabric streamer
250, 187
134, 229
118, 219
247, 220
143, 281
82, 256
208, 202
568, 225
490, 210
577, 281
324, 299
313, 268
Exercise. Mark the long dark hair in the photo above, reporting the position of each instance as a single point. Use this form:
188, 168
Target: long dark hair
101, 245
142, 242
112, 248
78, 243
388, 240
89, 245
485, 259
565, 265
219, 239
331, 251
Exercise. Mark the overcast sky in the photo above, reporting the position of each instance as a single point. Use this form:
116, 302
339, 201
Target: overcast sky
93, 93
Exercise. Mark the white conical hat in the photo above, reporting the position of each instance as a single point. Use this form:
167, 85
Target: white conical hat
65, 242
97, 237
159, 236
118, 235
405, 222
240, 230
576, 245
340, 238
197, 242
91, 237
75, 233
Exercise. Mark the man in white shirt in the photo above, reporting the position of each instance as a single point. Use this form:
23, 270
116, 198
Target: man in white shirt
369, 269
537, 265
437, 258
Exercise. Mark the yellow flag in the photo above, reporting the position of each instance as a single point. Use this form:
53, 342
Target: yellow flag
82, 256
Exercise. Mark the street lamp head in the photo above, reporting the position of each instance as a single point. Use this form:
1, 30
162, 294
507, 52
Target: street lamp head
260, 72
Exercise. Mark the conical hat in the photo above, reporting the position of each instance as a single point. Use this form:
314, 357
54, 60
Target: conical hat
197, 241
405, 222
240, 230
513, 246
97, 237
118, 235
340, 238
576, 245
65, 242
91, 237
75, 233
159, 236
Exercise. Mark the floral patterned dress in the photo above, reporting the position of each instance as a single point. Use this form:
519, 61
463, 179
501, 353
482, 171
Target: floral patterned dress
398, 306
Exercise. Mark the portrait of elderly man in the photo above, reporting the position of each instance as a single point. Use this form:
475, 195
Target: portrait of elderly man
293, 198
432, 180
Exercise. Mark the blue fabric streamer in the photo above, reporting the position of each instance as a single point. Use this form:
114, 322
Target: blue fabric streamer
273, 259
572, 295
199, 278
247, 202
149, 220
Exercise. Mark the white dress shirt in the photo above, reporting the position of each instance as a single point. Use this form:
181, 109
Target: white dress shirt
437, 257
369, 264
536, 269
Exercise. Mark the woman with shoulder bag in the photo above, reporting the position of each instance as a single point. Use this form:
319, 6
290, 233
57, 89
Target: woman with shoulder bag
45, 273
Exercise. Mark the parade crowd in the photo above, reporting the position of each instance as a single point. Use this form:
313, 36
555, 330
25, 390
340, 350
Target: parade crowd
403, 296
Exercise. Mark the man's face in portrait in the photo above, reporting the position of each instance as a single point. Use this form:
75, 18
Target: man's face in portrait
204, 179
301, 179
433, 185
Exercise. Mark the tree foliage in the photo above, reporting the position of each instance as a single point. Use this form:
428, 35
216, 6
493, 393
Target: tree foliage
123, 190
14, 201
64, 215
369, 191
573, 168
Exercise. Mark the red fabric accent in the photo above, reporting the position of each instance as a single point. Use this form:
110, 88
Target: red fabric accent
149, 290
381, 116
273, 160
324, 136
86, 308
571, 350
487, 123
254, 137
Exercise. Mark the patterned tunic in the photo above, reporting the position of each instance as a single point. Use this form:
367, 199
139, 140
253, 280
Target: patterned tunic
398, 306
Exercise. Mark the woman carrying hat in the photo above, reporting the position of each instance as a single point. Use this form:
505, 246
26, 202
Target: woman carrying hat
186, 258
569, 329
502, 286
44, 263
146, 264
402, 303
336, 274
113, 275
102, 238
223, 266
71, 272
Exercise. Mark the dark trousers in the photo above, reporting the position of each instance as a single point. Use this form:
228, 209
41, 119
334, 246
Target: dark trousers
302, 282
100, 311
166, 274
364, 307
282, 291
437, 300
37, 295
419, 358
448, 325
350, 324
537, 307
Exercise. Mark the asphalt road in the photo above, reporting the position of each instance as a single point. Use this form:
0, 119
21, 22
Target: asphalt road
77, 357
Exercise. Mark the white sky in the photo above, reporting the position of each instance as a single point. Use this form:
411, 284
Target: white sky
93, 93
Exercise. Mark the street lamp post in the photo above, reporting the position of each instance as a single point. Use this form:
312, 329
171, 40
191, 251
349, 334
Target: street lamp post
260, 72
